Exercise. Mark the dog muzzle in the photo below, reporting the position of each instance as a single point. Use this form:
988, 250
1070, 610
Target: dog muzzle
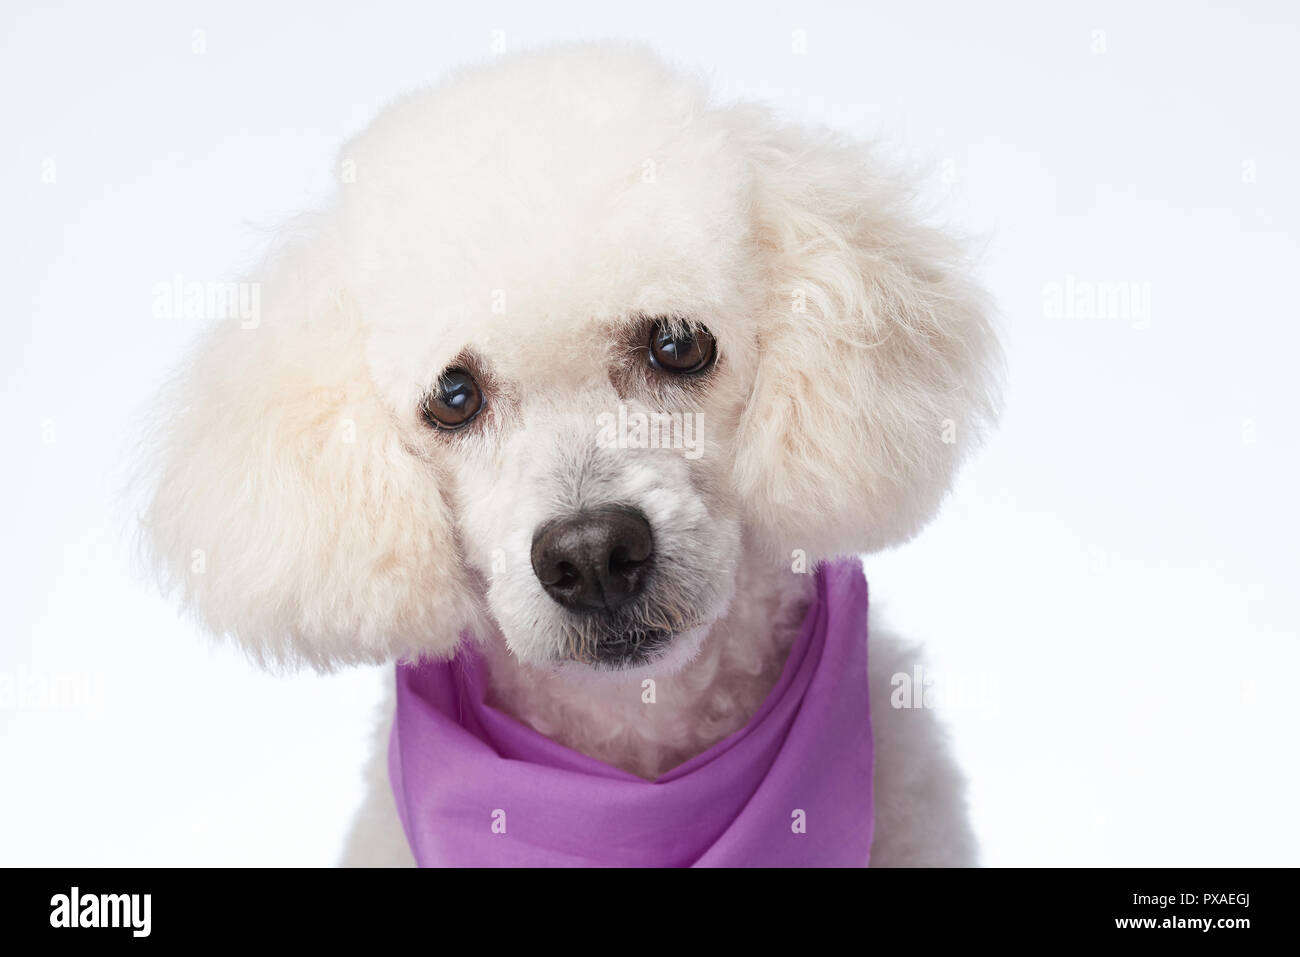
792, 788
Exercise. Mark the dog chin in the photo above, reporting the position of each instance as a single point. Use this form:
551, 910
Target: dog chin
661, 655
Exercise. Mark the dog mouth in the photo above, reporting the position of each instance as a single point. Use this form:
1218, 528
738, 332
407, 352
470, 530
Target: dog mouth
628, 637
619, 650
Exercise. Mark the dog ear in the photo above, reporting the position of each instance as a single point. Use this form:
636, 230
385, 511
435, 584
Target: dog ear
286, 509
877, 368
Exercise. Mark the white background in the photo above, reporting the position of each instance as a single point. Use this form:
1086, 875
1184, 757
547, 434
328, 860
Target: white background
1109, 599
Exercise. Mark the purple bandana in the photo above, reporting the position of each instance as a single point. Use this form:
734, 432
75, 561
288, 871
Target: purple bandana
476, 788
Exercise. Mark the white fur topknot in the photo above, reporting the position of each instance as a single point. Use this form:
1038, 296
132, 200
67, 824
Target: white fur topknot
584, 187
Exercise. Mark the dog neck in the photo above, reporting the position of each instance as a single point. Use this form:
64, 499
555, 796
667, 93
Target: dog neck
650, 730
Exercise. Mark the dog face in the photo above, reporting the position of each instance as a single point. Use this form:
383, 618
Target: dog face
601, 304
594, 545
567, 339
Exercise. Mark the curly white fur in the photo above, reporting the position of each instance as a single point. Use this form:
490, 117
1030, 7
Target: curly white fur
523, 218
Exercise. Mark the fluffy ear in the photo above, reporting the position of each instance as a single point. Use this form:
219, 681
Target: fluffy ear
877, 369
286, 509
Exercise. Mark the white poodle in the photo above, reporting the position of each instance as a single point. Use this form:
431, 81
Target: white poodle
578, 378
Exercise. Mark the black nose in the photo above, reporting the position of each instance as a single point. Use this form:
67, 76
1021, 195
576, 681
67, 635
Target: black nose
594, 561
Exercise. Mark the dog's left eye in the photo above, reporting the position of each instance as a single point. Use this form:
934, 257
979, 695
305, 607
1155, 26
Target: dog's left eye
681, 351
454, 403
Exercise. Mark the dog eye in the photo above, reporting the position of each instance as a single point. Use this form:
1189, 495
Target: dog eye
454, 403
681, 351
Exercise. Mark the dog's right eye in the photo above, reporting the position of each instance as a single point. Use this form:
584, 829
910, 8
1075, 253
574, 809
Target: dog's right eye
454, 403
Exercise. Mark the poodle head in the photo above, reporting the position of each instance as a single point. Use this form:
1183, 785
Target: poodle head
566, 340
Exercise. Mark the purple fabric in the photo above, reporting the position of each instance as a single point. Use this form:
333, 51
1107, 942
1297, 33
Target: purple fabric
475, 787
